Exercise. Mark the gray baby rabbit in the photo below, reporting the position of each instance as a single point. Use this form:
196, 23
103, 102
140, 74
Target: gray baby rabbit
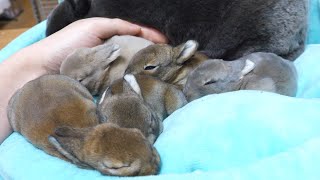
97, 67
257, 71
141, 102
170, 64
58, 115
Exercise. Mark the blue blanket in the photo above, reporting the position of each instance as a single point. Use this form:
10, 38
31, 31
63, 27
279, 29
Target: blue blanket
243, 135
236, 135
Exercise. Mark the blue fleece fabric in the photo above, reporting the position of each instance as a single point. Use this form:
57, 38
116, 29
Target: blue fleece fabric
236, 135
243, 135
314, 22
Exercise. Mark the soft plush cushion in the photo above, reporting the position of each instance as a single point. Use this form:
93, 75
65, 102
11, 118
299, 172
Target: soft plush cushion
239, 134
314, 22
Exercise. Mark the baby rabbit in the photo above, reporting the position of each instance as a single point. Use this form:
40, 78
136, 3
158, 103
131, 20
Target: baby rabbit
58, 115
141, 102
105, 63
225, 29
170, 64
128, 109
257, 71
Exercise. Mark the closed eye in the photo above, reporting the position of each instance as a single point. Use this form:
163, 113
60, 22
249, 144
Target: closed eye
210, 82
150, 67
80, 79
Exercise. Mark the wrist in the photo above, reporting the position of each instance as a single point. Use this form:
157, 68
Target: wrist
23, 66
31, 62
15, 72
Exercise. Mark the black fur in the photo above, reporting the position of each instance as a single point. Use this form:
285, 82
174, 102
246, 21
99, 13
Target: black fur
226, 29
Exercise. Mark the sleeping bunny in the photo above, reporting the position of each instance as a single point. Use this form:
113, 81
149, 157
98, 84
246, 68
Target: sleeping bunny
58, 115
141, 102
225, 29
257, 71
128, 109
170, 64
104, 63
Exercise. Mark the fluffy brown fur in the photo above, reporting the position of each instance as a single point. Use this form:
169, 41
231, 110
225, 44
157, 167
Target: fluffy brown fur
170, 64
58, 115
96, 68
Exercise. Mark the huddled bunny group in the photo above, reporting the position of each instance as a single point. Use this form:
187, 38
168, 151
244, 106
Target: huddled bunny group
139, 84
215, 46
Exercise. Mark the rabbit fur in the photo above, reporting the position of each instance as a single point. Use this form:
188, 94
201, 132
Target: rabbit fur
104, 63
170, 64
58, 115
256, 71
142, 102
225, 29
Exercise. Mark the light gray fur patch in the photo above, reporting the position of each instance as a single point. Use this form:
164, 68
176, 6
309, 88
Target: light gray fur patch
102, 97
133, 83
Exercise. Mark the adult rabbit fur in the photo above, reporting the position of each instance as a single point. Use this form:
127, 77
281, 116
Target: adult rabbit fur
225, 29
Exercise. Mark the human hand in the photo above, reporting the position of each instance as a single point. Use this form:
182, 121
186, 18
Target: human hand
87, 33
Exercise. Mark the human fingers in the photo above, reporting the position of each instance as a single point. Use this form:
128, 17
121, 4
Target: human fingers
152, 35
105, 28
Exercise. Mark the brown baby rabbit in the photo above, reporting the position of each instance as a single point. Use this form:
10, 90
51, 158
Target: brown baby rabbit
141, 102
256, 71
170, 64
97, 67
58, 115
128, 109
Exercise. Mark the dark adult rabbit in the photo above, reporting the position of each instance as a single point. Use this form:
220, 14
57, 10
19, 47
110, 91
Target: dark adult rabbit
225, 29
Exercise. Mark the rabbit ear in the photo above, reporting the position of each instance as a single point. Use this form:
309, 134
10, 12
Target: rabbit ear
185, 51
105, 94
115, 52
71, 132
247, 68
131, 85
53, 141
106, 54
68, 142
